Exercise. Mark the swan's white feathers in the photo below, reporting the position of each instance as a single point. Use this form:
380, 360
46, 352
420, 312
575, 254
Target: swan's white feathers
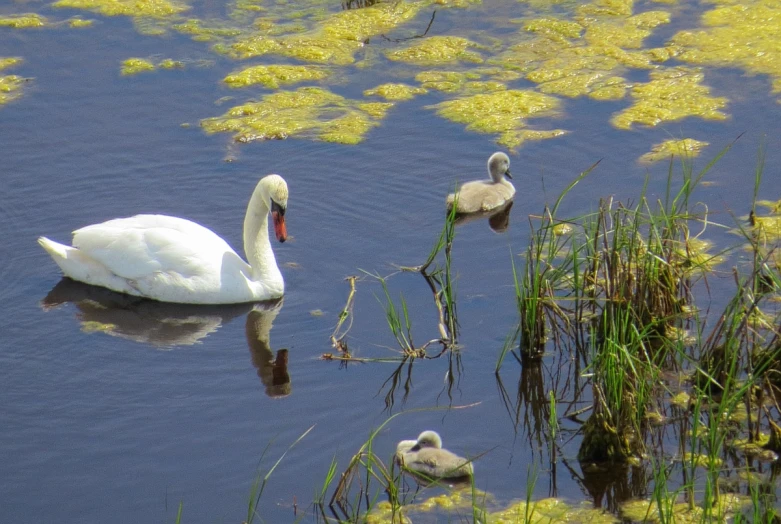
176, 260
152, 244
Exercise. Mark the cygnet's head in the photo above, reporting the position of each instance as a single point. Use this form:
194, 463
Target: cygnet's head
428, 439
499, 166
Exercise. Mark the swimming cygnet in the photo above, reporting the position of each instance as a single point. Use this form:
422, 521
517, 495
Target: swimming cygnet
426, 457
485, 195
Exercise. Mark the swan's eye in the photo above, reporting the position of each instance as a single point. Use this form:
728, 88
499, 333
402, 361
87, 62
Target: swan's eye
277, 208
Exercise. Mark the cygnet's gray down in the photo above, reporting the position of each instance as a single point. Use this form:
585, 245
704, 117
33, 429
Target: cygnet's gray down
426, 457
485, 195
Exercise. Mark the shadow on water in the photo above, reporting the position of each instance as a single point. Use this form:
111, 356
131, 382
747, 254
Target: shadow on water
166, 326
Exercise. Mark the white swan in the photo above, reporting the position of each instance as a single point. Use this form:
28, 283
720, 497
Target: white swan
426, 457
171, 259
485, 195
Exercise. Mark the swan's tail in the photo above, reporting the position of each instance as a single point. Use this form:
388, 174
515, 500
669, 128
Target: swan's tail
72, 262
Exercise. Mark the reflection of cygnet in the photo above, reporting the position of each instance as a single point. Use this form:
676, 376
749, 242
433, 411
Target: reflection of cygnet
426, 457
272, 371
485, 195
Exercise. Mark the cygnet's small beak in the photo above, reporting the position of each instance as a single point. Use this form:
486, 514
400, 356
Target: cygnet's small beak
508, 175
278, 216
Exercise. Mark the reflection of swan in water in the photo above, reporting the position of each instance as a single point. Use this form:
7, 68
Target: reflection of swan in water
272, 371
164, 325
498, 219
159, 324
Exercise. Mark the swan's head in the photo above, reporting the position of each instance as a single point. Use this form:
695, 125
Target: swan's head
276, 189
499, 166
428, 439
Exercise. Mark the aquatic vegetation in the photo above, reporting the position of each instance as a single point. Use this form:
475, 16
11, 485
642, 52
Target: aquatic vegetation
141, 8
672, 94
80, 22
10, 85
504, 113
395, 91
686, 147
437, 50
133, 66
205, 33
751, 30
274, 76
768, 227
6, 62
472, 81
551, 510
648, 511
169, 63
310, 111
26, 21
334, 41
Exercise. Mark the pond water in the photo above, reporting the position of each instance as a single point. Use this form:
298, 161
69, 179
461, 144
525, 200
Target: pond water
115, 409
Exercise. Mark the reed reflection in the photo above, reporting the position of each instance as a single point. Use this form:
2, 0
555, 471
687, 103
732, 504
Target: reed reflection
167, 326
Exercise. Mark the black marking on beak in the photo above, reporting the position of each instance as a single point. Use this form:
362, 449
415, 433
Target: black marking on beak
276, 207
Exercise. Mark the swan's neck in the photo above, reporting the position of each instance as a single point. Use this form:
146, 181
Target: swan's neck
257, 246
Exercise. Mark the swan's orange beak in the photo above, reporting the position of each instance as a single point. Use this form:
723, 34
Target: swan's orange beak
278, 216
279, 225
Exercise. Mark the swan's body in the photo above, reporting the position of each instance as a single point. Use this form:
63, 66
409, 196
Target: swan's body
426, 457
485, 195
171, 259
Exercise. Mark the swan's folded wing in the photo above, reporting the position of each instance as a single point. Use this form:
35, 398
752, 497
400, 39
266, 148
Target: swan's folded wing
135, 249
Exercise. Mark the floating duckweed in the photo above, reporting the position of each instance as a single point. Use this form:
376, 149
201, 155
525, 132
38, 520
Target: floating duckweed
648, 511
483, 87
274, 76
686, 148
10, 88
437, 50
395, 91
204, 33
702, 460
24, 21
337, 39
309, 110
751, 446
554, 28
170, 63
133, 66
447, 81
6, 62
550, 510
384, 512
503, 112
768, 228
148, 8
80, 22
10, 85
629, 33
681, 400
741, 34
606, 8
376, 109
672, 94
348, 129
